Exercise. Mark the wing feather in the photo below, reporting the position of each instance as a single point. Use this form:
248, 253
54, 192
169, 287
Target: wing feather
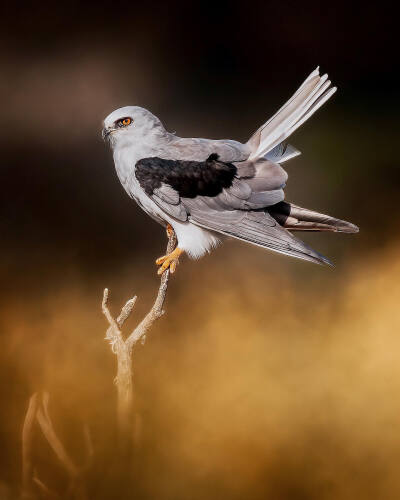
175, 210
205, 195
258, 228
167, 194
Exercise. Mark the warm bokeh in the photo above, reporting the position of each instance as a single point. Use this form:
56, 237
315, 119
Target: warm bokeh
267, 377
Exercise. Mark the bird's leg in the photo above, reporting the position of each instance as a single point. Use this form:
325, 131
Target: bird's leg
169, 261
170, 231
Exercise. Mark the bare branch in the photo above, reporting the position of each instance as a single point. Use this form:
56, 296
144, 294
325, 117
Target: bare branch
45, 403
114, 334
38, 409
157, 310
47, 492
53, 440
27, 437
126, 311
123, 349
89, 447
107, 313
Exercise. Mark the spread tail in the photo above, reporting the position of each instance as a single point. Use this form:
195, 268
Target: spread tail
312, 94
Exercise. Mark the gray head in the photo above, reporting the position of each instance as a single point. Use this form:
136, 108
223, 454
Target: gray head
132, 124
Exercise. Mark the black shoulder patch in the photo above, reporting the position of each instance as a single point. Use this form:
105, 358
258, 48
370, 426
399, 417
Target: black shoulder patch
213, 157
188, 178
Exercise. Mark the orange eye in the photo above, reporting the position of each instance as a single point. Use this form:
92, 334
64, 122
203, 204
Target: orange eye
124, 122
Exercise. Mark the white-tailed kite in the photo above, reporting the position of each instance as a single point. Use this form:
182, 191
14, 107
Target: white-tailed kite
205, 188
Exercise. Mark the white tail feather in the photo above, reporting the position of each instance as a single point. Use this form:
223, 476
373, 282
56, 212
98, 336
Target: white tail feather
282, 152
310, 96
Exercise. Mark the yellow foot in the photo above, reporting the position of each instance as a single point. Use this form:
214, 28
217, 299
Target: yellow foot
169, 261
170, 231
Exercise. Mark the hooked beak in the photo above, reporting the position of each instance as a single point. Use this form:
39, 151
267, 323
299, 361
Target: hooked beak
105, 133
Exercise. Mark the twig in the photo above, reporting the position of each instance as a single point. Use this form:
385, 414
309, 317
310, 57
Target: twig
123, 349
89, 448
38, 410
157, 310
27, 438
46, 491
49, 433
126, 311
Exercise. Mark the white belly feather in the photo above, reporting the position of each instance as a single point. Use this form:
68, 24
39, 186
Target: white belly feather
194, 240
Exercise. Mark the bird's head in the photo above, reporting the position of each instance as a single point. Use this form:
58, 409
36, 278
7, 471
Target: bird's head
130, 125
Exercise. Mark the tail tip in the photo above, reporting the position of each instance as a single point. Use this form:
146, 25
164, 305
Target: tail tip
349, 228
327, 262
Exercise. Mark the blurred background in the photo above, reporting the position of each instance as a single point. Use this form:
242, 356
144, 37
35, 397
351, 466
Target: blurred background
268, 377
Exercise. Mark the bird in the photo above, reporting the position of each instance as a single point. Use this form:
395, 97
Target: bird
205, 190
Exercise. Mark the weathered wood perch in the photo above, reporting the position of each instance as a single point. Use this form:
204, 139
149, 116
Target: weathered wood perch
123, 347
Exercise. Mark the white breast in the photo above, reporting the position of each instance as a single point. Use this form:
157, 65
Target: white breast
194, 240
125, 168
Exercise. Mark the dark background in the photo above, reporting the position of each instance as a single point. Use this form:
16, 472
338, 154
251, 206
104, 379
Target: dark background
68, 229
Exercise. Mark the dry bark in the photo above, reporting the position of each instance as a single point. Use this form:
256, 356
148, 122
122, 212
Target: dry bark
123, 347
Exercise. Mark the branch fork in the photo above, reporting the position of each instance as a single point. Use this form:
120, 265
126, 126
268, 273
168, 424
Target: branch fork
123, 346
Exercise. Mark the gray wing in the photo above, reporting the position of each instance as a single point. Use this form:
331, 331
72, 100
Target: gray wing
227, 150
198, 149
258, 228
192, 191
